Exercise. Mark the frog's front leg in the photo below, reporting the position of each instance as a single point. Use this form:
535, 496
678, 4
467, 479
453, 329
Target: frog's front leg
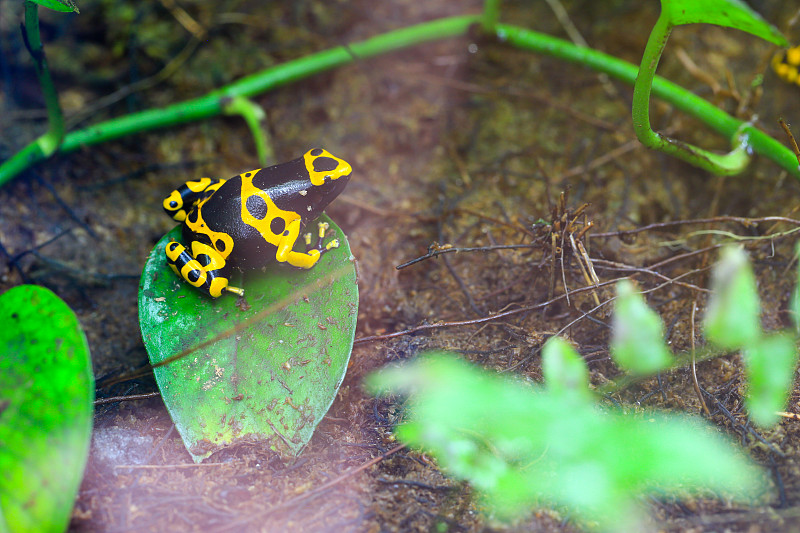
184, 198
203, 267
322, 228
312, 254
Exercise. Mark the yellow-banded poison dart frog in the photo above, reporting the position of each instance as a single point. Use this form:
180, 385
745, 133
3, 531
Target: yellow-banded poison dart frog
252, 219
786, 64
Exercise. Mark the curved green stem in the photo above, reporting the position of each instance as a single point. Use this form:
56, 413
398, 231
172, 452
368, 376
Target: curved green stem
725, 165
49, 142
691, 104
491, 14
253, 115
212, 104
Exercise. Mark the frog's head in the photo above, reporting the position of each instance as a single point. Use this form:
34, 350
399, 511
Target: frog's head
328, 173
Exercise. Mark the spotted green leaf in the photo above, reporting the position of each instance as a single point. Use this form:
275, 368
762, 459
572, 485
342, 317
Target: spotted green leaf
46, 405
263, 371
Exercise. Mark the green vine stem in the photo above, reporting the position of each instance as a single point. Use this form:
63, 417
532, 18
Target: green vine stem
691, 104
49, 142
254, 115
213, 103
491, 15
720, 164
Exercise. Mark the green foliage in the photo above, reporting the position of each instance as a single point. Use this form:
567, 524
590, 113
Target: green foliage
46, 406
637, 343
728, 13
732, 322
769, 366
211, 104
565, 371
522, 445
254, 115
491, 14
733, 315
267, 371
794, 302
65, 6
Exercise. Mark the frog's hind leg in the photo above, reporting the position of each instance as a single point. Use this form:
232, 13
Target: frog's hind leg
203, 268
184, 198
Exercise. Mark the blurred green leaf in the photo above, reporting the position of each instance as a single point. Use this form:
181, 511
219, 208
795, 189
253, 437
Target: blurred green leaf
522, 446
64, 6
265, 371
733, 316
794, 302
769, 366
728, 13
637, 341
46, 406
564, 371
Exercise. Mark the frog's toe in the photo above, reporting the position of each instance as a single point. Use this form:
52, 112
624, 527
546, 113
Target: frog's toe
320, 246
235, 290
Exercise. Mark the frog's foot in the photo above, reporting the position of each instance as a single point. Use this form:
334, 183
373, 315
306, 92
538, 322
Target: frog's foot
235, 290
203, 268
320, 246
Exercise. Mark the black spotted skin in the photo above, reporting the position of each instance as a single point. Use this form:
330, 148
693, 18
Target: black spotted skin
252, 219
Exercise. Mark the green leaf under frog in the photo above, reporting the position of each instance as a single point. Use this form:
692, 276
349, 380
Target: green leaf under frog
265, 369
46, 405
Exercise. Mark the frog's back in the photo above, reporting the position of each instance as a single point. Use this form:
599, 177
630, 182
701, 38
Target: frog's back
252, 213
222, 213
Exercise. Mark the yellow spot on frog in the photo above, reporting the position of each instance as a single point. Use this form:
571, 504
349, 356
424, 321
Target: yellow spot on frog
264, 225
